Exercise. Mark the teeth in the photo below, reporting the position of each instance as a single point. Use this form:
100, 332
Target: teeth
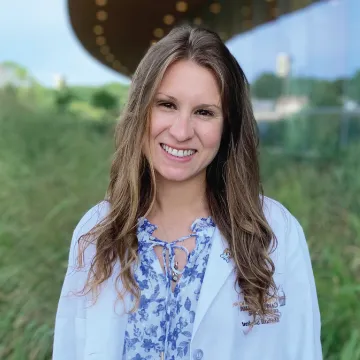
178, 153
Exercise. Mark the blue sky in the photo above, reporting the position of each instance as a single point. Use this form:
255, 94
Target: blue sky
320, 39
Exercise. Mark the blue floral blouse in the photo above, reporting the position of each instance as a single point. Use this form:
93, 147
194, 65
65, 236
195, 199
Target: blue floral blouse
161, 327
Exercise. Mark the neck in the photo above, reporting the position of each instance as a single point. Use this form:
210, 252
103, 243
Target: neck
181, 199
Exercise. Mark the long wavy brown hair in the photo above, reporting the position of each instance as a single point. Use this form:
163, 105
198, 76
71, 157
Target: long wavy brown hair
234, 191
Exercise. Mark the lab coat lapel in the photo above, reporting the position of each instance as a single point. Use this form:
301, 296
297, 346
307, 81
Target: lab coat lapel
218, 269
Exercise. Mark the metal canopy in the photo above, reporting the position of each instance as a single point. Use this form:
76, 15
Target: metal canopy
119, 32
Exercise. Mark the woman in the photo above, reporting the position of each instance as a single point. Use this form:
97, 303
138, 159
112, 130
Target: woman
186, 259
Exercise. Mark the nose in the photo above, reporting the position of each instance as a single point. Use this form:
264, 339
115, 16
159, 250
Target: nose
182, 128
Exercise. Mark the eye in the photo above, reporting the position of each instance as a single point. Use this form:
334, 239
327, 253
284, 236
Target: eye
167, 105
203, 112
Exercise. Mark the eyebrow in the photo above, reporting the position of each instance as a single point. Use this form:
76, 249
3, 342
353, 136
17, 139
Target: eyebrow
201, 105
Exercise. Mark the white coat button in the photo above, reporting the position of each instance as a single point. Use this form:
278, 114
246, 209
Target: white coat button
198, 354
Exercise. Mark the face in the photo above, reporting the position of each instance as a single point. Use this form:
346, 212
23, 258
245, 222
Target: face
186, 122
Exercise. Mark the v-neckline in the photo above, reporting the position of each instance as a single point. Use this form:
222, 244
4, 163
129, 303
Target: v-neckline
161, 270
198, 226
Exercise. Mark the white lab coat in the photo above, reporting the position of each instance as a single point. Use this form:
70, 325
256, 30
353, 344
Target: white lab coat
96, 332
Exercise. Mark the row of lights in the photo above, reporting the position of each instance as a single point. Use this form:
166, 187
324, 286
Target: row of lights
169, 19
158, 33
100, 39
181, 7
274, 11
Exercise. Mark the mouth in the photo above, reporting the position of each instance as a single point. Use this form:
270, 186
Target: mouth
178, 153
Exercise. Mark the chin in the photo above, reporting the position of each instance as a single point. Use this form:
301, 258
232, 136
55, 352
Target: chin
177, 176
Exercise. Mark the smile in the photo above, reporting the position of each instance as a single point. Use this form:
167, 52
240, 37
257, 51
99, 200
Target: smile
176, 152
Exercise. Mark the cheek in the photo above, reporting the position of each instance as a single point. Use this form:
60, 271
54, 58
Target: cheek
158, 123
211, 137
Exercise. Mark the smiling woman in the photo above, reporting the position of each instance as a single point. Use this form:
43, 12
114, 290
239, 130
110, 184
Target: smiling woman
185, 129
186, 258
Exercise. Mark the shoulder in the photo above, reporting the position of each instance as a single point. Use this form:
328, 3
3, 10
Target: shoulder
278, 216
91, 218
75, 280
88, 221
288, 232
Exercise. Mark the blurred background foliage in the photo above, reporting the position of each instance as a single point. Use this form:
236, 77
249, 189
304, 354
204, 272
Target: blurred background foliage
55, 149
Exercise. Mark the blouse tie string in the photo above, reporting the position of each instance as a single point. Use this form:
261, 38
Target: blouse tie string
170, 248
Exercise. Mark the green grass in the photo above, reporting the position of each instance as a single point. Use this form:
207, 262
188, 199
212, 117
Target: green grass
53, 168
324, 197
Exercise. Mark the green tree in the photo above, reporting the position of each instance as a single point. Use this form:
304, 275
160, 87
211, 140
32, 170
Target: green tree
104, 100
63, 99
267, 86
340, 86
354, 87
16, 74
325, 93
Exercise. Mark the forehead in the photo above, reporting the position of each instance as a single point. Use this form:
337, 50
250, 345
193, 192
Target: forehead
185, 79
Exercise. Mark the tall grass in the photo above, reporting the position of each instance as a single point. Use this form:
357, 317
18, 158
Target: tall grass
324, 197
53, 168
